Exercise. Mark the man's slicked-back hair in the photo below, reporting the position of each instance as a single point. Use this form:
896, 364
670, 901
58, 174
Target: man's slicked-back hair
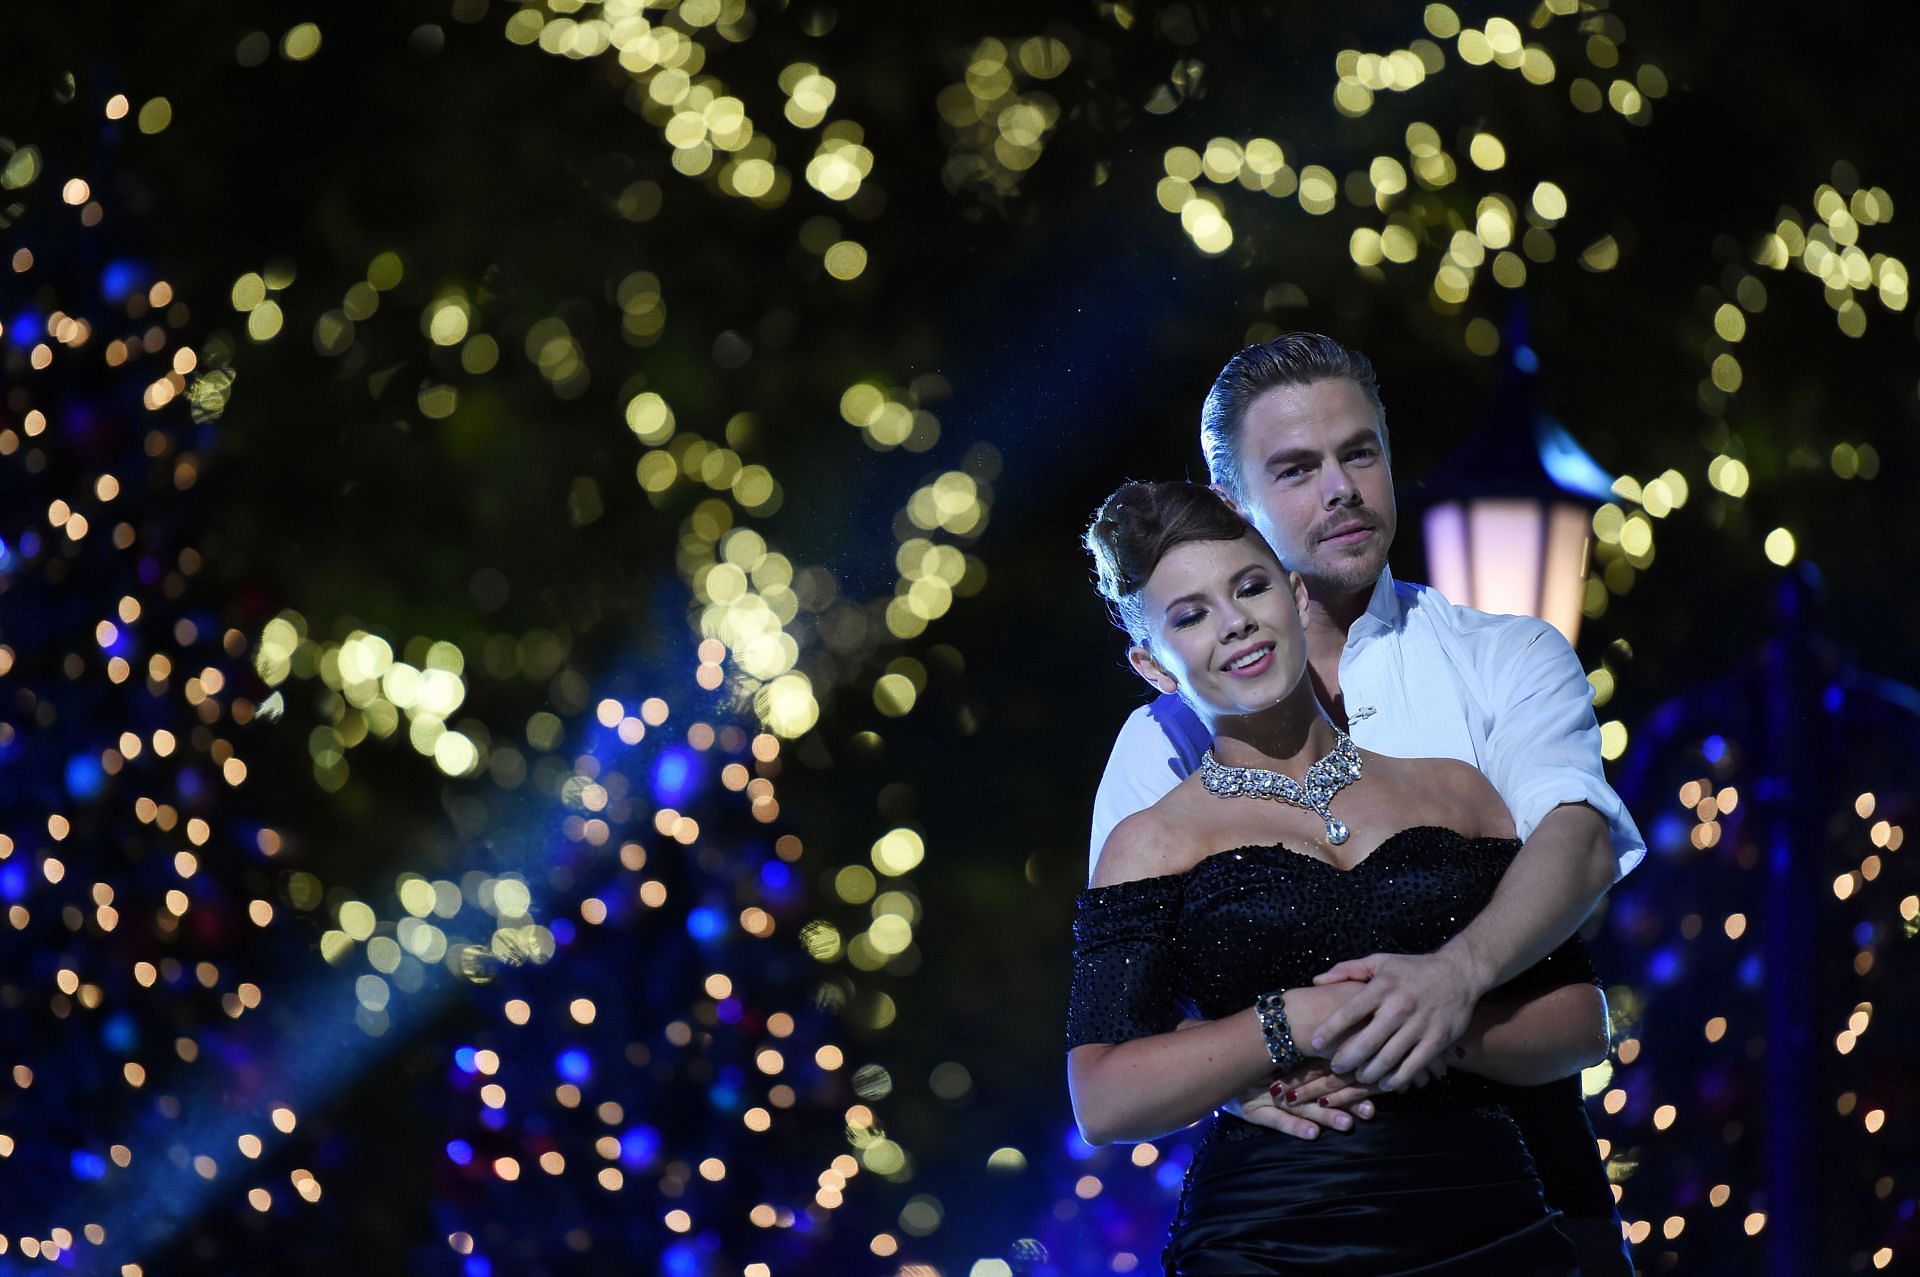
1292, 359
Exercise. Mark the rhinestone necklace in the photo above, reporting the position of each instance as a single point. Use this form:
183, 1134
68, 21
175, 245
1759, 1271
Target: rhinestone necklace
1324, 779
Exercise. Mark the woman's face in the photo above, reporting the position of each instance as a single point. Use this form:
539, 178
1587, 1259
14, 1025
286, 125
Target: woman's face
1224, 625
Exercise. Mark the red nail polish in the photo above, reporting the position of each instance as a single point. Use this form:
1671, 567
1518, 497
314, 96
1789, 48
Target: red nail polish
1292, 1096
1275, 1089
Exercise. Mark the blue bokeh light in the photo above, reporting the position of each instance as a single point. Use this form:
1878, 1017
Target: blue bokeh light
639, 1146
85, 777
1663, 966
119, 279
120, 1033
574, 1065
673, 776
706, 923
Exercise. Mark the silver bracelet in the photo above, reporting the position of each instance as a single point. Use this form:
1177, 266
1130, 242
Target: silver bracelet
1272, 1010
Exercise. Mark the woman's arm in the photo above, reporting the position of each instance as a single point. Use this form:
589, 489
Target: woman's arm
1137, 1090
1525, 1042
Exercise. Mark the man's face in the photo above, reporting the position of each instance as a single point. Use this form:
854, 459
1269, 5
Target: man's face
1314, 480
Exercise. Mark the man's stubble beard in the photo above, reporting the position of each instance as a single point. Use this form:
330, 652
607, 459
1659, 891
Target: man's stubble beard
1340, 581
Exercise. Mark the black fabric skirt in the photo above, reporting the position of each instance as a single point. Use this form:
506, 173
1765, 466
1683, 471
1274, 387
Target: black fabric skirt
1438, 1193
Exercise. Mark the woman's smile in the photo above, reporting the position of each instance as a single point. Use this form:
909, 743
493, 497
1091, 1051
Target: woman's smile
1250, 662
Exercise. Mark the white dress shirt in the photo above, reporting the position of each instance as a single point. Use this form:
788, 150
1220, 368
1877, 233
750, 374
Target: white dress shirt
1422, 678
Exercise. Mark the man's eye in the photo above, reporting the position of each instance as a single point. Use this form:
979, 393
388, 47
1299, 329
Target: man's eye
1291, 472
1365, 454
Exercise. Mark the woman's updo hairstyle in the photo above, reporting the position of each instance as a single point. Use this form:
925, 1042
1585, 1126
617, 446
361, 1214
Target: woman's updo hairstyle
1135, 528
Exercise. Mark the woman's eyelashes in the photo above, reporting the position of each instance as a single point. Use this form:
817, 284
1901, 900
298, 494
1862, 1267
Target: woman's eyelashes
1249, 588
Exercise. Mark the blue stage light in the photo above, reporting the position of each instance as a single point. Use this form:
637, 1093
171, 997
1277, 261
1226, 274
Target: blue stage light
120, 1033
706, 923
119, 279
639, 1146
85, 777
673, 776
1669, 832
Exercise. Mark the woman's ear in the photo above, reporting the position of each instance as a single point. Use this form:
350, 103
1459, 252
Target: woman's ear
1146, 667
1298, 585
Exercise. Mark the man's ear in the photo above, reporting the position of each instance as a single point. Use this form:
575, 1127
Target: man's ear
1146, 667
1298, 584
1220, 490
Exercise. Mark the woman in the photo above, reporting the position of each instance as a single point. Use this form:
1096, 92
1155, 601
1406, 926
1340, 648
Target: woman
1221, 903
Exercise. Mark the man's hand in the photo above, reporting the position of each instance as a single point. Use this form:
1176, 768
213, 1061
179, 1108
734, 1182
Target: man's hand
1414, 1007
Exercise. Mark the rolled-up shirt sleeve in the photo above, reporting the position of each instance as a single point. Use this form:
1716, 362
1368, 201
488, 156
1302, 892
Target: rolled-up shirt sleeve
1543, 742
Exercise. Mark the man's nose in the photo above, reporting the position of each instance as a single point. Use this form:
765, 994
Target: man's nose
1337, 487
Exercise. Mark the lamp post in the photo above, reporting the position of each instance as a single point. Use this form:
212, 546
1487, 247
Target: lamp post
1507, 519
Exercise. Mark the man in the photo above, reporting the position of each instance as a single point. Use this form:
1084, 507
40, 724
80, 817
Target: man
1295, 436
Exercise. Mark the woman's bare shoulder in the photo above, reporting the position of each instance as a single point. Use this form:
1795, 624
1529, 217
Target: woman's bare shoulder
1448, 792
1153, 841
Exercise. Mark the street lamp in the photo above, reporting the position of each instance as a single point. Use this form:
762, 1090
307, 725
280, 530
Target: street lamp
1507, 527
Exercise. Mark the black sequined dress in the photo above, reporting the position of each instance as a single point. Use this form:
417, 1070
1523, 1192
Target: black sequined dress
1440, 1181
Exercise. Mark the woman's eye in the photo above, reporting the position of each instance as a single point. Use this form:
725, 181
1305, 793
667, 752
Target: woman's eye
1252, 588
1185, 619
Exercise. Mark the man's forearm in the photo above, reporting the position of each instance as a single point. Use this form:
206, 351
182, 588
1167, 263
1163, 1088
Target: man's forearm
1556, 878
1552, 1035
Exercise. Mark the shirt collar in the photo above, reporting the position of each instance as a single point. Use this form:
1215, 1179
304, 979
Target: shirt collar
1383, 605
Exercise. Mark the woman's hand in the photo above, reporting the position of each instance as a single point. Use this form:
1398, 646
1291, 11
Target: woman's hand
1303, 1103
